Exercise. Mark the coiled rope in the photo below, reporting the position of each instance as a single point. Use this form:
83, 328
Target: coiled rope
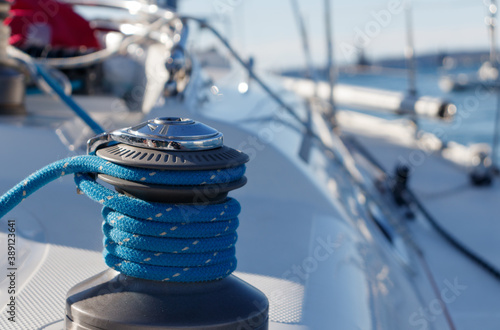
154, 241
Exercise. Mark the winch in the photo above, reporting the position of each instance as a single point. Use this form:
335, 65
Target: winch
169, 245
12, 80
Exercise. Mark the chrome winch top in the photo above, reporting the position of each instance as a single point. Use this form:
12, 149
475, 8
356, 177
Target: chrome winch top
164, 133
167, 143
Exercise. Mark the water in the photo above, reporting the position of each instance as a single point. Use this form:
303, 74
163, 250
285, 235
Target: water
476, 108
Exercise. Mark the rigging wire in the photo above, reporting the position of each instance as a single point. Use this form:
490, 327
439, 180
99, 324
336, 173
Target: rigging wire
311, 72
290, 110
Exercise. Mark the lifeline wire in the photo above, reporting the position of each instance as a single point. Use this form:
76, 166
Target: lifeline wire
155, 241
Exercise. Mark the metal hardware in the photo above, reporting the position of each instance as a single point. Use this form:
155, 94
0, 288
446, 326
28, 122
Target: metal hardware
482, 170
164, 133
181, 145
4, 29
12, 79
96, 142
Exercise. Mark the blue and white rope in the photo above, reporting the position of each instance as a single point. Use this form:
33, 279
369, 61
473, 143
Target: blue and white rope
155, 241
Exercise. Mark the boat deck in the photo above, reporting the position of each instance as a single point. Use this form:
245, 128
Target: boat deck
468, 213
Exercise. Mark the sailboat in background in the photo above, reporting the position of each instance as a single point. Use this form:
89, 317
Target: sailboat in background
487, 75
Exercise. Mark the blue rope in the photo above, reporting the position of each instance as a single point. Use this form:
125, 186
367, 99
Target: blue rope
155, 241
79, 111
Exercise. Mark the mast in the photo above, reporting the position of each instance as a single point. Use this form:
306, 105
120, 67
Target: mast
491, 22
330, 67
410, 51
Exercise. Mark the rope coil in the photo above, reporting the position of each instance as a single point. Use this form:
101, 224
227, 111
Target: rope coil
154, 241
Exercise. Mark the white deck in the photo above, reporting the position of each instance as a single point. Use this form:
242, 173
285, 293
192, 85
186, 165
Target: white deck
470, 214
290, 209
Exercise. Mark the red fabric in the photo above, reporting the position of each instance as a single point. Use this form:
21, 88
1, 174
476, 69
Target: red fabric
66, 28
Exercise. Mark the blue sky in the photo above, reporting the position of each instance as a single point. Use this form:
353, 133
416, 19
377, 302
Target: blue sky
267, 30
